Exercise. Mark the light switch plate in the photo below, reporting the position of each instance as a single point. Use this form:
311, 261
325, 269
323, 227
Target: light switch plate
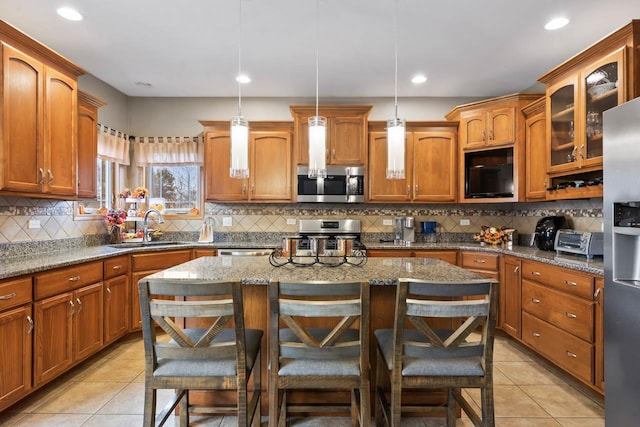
465, 222
291, 221
227, 221
34, 223
387, 222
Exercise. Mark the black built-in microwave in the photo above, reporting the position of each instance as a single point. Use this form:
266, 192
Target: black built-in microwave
343, 184
488, 173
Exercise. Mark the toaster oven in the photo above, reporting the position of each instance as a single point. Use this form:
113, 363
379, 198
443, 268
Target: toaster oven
586, 243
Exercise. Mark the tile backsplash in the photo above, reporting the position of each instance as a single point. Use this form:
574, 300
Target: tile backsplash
57, 221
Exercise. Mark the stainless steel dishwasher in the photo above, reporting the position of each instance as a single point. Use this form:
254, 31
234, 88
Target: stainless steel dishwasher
244, 251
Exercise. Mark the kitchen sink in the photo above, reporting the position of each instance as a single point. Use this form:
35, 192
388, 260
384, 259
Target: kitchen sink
125, 245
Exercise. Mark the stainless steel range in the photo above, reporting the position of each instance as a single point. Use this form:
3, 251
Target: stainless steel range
329, 237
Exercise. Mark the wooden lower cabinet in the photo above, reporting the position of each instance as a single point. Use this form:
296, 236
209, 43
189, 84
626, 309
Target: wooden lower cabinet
53, 338
16, 326
88, 328
116, 308
509, 316
484, 263
599, 332
197, 253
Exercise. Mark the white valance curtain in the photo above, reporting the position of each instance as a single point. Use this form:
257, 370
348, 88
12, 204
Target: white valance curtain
113, 145
169, 151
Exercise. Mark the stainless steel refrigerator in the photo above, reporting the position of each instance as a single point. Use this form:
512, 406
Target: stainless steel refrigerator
621, 204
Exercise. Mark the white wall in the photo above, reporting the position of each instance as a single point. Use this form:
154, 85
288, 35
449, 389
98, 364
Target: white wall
116, 113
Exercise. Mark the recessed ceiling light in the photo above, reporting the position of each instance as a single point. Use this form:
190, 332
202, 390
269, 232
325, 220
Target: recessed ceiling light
243, 78
70, 14
556, 23
418, 78
143, 84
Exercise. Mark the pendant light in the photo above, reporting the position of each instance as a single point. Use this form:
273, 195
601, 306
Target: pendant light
395, 126
317, 124
239, 125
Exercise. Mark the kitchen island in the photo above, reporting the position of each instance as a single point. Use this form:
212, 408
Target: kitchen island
255, 273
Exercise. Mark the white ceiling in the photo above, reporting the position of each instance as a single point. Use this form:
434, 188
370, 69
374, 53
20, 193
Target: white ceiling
190, 48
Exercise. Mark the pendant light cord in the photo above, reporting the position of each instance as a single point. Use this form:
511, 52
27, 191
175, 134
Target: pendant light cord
395, 37
317, 49
239, 58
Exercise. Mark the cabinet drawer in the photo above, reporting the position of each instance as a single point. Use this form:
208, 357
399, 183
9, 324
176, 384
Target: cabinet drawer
116, 266
568, 351
574, 315
479, 260
560, 278
159, 260
66, 279
15, 292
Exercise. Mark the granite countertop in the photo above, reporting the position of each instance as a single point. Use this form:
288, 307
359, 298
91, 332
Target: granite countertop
41, 261
258, 271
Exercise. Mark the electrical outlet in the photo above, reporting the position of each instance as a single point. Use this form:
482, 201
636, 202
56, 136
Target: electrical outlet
465, 222
291, 221
227, 221
34, 223
387, 222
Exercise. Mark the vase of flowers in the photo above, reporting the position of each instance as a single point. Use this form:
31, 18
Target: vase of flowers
115, 220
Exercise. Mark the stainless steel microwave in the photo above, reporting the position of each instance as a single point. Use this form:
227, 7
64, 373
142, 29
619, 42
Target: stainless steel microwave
343, 184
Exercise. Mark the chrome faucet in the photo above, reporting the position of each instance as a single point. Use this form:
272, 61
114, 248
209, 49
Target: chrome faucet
145, 226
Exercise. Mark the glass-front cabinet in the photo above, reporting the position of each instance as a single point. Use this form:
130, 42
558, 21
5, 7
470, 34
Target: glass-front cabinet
575, 108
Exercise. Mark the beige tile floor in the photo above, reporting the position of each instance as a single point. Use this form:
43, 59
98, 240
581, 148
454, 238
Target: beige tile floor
107, 390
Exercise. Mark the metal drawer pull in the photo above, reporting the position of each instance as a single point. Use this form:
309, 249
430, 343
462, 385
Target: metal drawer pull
117, 267
596, 294
30, 320
74, 279
571, 354
73, 308
535, 300
570, 283
42, 175
535, 334
8, 296
535, 273
50, 176
570, 315
515, 270
79, 305
479, 261
108, 292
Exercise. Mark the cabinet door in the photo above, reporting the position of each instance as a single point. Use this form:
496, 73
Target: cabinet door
536, 157
302, 140
87, 150
347, 141
393, 253
599, 333
61, 133
603, 86
446, 256
270, 166
510, 296
116, 308
219, 185
53, 345
381, 188
22, 105
135, 315
89, 331
501, 126
434, 166
15, 358
472, 129
561, 124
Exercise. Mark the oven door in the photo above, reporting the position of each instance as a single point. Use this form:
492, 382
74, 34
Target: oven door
340, 186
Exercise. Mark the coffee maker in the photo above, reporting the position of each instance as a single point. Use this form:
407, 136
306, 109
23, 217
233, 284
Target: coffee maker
403, 230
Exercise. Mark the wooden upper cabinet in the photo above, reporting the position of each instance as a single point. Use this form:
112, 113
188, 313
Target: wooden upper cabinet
346, 133
88, 106
486, 127
535, 150
39, 97
430, 164
270, 164
472, 129
501, 126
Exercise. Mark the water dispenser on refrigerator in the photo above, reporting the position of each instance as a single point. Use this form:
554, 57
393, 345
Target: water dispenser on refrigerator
626, 242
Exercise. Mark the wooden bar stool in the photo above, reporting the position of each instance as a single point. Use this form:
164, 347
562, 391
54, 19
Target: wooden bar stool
422, 357
305, 354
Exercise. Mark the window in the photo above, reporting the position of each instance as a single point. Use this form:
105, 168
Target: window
178, 186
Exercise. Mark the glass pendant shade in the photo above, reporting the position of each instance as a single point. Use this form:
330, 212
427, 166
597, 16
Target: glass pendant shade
395, 149
317, 147
239, 148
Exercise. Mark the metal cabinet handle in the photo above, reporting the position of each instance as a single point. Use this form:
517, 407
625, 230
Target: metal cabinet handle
417, 189
515, 270
490, 134
30, 320
535, 273
333, 153
73, 308
484, 137
568, 353
74, 279
117, 267
108, 291
8, 296
596, 294
79, 305
253, 189
480, 261
42, 175
535, 300
244, 189
535, 334
581, 151
408, 189
570, 315
50, 176
570, 283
